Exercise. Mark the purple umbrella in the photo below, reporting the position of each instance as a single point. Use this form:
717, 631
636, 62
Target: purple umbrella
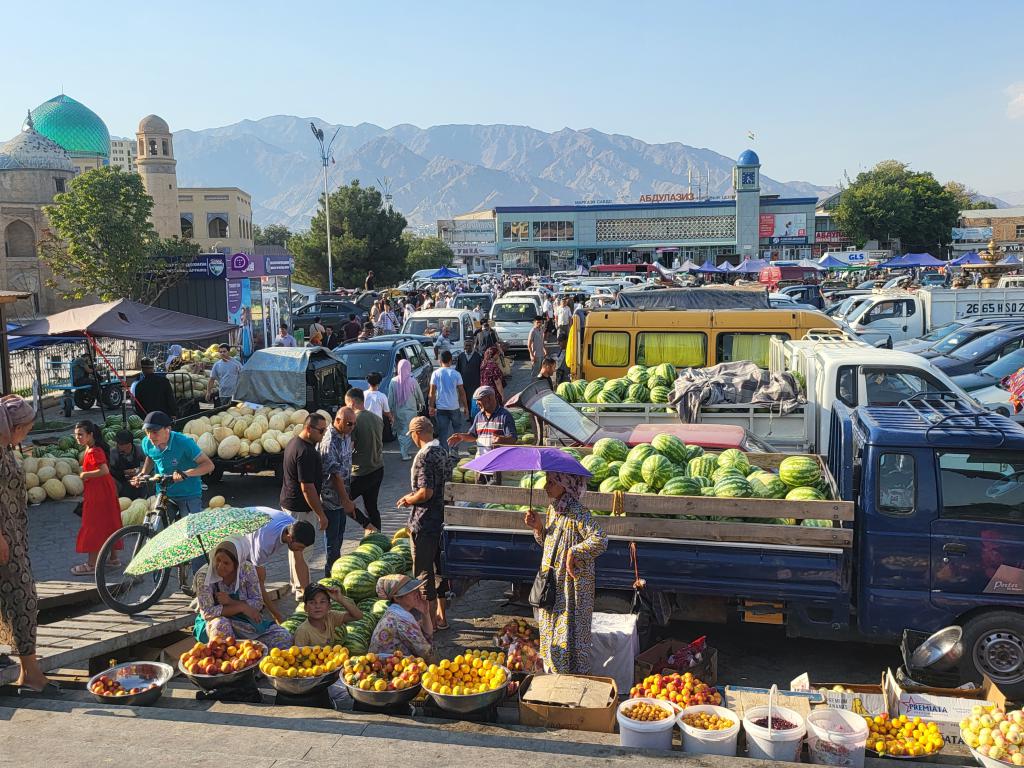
521, 458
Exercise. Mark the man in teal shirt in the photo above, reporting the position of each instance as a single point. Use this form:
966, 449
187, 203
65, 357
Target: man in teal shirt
177, 455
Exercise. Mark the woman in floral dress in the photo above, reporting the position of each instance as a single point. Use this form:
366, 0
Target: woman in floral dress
405, 625
491, 374
231, 601
571, 541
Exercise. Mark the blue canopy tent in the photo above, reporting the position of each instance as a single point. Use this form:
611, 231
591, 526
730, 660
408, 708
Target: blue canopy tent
828, 261
445, 274
707, 268
16, 343
913, 261
727, 266
750, 266
967, 258
1013, 260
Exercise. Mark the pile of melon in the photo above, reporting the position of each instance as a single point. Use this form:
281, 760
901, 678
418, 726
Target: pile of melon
240, 432
51, 478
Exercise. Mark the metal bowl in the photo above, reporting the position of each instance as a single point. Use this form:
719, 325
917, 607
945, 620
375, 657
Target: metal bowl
135, 674
298, 686
212, 682
472, 702
941, 652
384, 699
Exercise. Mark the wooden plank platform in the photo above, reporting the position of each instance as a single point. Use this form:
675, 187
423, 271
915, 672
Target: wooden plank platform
74, 641
57, 594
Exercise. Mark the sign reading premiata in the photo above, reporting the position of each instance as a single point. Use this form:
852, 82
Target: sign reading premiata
782, 228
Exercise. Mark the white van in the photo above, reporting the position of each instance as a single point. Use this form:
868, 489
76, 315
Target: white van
512, 319
429, 322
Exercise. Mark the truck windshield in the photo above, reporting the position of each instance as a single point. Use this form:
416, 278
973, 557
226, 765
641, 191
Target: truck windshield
430, 326
886, 386
514, 312
982, 485
359, 364
552, 409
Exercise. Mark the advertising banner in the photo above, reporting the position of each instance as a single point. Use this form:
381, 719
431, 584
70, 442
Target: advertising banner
783, 228
469, 251
244, 265
981, 234
829, 236
206, 266
240, 313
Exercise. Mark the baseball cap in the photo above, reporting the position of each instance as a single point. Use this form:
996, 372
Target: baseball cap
312, 590
420, 425
123, 437
483, 391
156, 420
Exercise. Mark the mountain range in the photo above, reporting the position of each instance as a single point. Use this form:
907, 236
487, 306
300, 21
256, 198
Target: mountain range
437, 172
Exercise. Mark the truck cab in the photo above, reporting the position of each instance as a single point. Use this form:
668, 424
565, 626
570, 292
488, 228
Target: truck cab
939, 489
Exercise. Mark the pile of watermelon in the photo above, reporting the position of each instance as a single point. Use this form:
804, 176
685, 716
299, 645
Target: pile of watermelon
669, 467
356, 575
640, 385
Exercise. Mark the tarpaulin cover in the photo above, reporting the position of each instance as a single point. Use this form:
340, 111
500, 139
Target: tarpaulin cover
708, 297
124, 319
913, 260
277, 375
967, 258
750, 266
736, 382
14, 343
831, 262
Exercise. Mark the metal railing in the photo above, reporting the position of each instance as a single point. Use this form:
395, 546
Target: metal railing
50, 364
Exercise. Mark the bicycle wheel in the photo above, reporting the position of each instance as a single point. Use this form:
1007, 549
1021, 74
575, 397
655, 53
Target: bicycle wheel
123, 593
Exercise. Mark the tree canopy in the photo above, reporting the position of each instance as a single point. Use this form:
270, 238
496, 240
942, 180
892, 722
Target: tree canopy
365, 235
272, 234
426, 253
892, 201
103, 243
966, 198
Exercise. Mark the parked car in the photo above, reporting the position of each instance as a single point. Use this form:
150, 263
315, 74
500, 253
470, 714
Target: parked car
975, 355
470, 300
782, 301
428, 323
997, 399
959, 338
805, 294
992, 373
901, 281
931, 338
512, 319
381, 354
932, 280
334, 313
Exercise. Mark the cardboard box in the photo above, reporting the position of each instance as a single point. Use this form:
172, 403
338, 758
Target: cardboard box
651, 662
575, 702
739, 699
862, 699
944, 706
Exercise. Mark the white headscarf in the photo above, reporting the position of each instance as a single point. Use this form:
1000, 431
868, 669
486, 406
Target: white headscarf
239, 548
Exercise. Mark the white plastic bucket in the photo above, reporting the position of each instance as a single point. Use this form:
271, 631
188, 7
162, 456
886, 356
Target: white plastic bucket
772, 744
836, 737
698, 742
656, 734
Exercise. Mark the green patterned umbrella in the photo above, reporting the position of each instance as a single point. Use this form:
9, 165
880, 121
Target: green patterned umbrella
193, 536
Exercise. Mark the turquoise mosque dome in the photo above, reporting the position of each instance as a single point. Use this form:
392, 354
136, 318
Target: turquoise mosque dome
73, 126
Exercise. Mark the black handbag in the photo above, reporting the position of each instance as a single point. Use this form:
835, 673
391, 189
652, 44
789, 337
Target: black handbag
545, 586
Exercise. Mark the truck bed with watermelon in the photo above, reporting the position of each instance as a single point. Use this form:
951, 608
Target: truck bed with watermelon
914, 521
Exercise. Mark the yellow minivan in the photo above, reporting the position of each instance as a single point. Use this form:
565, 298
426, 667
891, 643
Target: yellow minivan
613, 340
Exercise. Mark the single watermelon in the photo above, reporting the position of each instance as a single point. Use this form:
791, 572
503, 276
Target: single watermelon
593, 389
799, 471
817, 524
371, 550
671, 447
598, 469
660, 394
382, 541
707, 491
573, 452
701, 466
765, 485
804, 493
640, 452
614, 467
641, 488
666, 371
610, 485
637, 374
610, 449
657, 470
618, 386
638, 393
681, 486
631, 473
360, 585
721, 473
733, 488
733, 457
694, 451
607, 397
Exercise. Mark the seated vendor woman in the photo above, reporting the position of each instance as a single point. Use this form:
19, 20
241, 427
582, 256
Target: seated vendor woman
231, 602
405, 625
321, 621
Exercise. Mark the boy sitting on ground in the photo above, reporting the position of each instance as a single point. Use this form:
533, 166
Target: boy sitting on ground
321, 621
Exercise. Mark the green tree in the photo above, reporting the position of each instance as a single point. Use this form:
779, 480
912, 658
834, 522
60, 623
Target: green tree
426, 253
365, 235
967, 199
102, 242
892, 201
273, 234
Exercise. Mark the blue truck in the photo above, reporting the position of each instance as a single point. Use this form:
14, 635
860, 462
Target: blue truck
929, 533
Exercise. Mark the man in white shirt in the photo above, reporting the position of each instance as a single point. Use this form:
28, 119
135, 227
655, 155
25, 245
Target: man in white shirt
563, 319
281, 531
376, 401
225, 372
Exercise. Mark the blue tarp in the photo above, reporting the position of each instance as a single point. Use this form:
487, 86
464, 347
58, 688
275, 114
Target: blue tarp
708, 268
14, 343
444, 274
967, 258
1011, 260
831, 262
913, 260
750, 266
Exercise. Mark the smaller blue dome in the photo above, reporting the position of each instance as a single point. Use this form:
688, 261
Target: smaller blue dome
749, 157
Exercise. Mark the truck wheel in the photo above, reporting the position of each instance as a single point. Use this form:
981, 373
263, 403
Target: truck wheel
85, 399
113, 396
994, 646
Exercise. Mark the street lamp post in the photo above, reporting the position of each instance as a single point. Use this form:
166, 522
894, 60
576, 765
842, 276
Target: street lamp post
325, 156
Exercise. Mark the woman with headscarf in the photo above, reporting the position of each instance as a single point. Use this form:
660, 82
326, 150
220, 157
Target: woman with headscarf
174, 359
18, 602
571, 541
405, 399
405, 625
231, 601
491, 374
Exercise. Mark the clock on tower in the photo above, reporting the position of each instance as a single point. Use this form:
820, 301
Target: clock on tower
747, 178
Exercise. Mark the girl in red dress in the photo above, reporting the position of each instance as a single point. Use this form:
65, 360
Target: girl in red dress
101, 512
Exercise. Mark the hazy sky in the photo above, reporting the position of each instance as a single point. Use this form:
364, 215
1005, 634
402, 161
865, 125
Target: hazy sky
827, 87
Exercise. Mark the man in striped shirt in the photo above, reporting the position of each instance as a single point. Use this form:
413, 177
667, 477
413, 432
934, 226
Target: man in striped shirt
493, 426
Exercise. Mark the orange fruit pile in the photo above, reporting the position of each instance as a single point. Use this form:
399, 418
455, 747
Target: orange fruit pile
464, 676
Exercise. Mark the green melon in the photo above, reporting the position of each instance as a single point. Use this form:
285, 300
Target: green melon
610, 449
346, 564
765, 485
640, 452
614, 467
799, 471
817, 523
610, 485
671, 447
573, 452
707, 491
660, 394
638, 393
804, 493
666, 371
733, 457
593, 389
567, 391
656, 471
637, 374
641, 488
681, 486
371, 550
608, 397
360, 585
378, 568
721, 473
701, 466
618, 386
733, 488
631, 473
598, 469
379, 539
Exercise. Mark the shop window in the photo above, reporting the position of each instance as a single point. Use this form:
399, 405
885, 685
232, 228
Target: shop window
553, 231
610, 349
896, 484
515, 231
754, 347
681, 349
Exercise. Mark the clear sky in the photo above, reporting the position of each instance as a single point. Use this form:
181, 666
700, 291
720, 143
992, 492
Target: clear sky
827, 87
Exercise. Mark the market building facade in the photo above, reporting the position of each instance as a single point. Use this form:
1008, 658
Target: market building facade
1003, 225
747, 225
